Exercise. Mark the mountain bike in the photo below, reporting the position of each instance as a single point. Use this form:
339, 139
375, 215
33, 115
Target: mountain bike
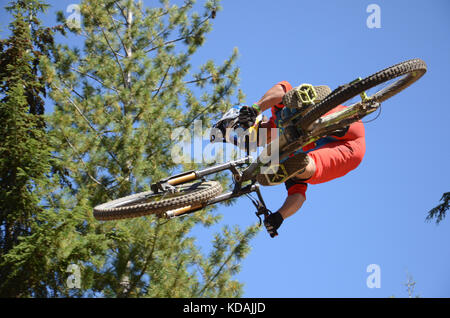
185, 193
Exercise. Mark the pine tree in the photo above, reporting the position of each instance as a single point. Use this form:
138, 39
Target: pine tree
117, 100
24, 148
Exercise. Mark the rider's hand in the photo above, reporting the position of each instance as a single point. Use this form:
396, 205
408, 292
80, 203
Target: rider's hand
247, 116
272, 222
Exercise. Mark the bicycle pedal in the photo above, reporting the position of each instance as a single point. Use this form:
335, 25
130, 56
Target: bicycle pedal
305, 95
273, 175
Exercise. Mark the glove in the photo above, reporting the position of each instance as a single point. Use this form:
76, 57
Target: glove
247, 115
273, 222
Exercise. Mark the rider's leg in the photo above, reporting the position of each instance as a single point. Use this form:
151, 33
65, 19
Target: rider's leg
337, 158
309, 171
333, 161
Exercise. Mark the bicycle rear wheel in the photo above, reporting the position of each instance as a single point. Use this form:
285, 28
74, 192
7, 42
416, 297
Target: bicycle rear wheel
384, 84
144, 203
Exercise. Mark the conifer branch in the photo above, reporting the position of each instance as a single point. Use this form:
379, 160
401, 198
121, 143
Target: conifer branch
121, 10
182, 8
162, 82
218, 271
213, 103
238, 246
116, 54
83, 163
89, 124
136, 118
175, 281
180, 38
94, 78
440, 211
149, 257
199, 80
187, 82
79, 111
115, 31
166, 43
72, 89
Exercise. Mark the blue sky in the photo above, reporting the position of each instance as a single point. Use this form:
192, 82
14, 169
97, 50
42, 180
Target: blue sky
376, 213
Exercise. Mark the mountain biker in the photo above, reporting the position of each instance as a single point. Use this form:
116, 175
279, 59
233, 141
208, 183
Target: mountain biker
324, 160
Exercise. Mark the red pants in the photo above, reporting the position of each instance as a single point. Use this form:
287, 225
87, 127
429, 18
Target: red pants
336, 159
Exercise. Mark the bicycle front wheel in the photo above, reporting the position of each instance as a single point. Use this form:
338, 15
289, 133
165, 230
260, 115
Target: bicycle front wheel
190, 196
379, 86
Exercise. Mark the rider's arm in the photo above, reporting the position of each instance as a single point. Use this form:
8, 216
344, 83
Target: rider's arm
272, 97
296, 197
292, 204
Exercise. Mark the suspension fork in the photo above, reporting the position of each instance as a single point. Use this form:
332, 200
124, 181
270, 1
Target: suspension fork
168, 184
237, 192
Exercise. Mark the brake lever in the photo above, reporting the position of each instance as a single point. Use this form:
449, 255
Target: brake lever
262, 210
258, 215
